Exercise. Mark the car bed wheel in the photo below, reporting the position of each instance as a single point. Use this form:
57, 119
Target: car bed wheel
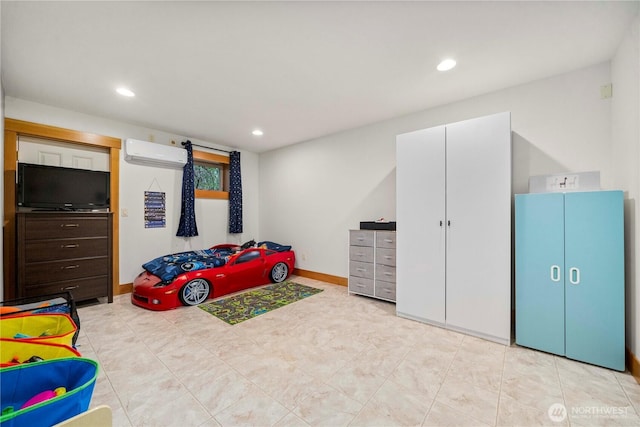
279, 272
194, 292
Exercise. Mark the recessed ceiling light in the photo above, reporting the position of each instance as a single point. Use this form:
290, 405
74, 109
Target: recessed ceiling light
125, 92
446, 65
257, 132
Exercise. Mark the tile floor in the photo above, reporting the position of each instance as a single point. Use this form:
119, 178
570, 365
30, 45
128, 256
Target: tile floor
332, 359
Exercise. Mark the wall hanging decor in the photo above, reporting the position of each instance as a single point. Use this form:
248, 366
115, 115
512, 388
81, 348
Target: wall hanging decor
155, 209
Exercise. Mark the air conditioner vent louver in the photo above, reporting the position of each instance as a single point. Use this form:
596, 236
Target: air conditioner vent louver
151, 154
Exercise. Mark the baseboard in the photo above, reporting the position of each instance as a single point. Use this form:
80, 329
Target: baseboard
336, 280
124, 288
633, 364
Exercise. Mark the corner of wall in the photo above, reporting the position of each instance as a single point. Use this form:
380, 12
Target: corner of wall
625, 137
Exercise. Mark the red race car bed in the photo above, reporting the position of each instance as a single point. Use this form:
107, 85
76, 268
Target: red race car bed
190, 278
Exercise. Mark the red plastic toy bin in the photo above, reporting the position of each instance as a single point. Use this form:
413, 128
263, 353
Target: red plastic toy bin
20, 384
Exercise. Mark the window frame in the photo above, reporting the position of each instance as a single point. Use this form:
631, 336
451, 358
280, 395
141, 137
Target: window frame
220, 161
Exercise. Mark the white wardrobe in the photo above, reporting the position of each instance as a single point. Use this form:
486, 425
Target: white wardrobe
453, 266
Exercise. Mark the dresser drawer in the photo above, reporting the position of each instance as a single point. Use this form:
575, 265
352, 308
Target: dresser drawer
361, 269
386, 256
386, 273
55, 271
361, 253
360, 285
386, 239
81, 289
60, 251
385, 290
59, 227
50, 250
361, 238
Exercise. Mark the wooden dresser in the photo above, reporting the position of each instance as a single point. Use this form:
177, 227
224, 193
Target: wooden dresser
64, 251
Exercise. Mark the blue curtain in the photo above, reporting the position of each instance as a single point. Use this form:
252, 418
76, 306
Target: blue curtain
235, 193
188, 227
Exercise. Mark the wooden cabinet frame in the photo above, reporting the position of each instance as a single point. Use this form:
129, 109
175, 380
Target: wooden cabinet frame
12, 130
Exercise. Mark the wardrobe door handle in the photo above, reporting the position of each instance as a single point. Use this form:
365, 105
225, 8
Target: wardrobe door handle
555, 273
574, 276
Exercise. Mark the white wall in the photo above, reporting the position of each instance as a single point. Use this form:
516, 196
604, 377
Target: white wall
137, 244
625, 72
312, 193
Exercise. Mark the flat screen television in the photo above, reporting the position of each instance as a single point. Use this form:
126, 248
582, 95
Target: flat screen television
58, 188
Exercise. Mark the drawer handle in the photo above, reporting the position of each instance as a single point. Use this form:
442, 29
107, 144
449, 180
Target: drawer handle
69, 288
70, 246
387, 257
360, 286
70, 225
70, 267
361, 269
386, 273
359, 238
388, 240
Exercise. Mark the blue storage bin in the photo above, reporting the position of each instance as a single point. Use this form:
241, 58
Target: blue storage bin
20, 383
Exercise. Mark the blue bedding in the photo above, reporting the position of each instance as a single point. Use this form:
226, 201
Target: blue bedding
168, 267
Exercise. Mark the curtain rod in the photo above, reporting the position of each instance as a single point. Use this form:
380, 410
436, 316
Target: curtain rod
210, 148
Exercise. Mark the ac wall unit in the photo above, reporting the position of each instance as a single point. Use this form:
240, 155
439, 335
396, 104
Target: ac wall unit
151, 154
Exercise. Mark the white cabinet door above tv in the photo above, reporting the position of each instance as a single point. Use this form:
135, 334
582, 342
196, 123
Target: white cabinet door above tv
52, 153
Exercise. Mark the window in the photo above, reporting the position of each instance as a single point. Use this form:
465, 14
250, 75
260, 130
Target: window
211, 175
207, 176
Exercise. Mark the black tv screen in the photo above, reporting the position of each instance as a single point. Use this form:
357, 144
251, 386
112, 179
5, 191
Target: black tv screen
52, 187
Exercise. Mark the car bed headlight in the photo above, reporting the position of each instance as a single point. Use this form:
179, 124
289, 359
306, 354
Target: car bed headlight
161, 284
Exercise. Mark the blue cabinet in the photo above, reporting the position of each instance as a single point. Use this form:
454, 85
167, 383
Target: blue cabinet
569, 263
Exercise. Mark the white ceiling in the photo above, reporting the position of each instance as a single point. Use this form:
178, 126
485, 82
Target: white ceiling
298, 70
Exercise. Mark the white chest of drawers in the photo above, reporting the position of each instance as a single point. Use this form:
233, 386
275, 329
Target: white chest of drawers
372, 263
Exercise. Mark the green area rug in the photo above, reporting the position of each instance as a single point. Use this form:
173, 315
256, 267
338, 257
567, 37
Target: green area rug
239, 308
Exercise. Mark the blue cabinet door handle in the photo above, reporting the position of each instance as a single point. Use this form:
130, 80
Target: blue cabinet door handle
555, 273
574, 276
